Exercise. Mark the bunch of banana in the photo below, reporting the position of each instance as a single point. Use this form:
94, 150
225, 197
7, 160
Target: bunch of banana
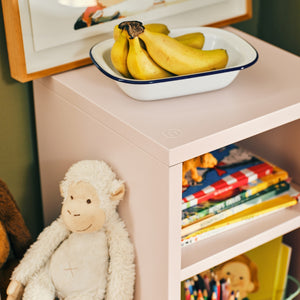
149, 53
120, 50
131, 59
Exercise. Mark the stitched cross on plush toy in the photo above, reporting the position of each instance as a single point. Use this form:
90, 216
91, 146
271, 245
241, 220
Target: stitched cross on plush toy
71, 270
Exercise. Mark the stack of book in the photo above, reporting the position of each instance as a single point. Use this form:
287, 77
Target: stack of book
240, 187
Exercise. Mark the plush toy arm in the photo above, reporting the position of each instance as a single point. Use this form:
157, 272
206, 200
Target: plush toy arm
121, 275
15, 290
40, 251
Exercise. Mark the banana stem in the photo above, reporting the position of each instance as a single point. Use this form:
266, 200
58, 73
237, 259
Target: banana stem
134, 28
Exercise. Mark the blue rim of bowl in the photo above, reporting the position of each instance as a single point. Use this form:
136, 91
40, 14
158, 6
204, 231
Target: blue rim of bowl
175, 77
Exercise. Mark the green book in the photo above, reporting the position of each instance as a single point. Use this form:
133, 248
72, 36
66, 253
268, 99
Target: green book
260, 197
195, 213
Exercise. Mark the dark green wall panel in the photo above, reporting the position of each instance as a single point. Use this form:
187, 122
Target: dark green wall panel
18, 157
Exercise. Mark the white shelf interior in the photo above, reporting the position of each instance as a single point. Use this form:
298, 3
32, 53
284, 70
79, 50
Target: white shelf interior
281, 147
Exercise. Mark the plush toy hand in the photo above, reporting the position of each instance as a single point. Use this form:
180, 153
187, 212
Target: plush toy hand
15, 290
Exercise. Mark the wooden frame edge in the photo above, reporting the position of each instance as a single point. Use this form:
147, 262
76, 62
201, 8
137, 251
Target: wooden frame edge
15, 48
51, 71
248, 15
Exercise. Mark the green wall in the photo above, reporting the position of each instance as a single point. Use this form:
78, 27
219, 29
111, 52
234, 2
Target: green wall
18, 154
276, 21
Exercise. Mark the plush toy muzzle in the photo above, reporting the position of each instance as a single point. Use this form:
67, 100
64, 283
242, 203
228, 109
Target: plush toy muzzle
81, 209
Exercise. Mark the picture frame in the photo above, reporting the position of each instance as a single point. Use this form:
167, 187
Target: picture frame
44, 38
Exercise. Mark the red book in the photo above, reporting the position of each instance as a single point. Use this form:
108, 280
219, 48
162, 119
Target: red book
228, 183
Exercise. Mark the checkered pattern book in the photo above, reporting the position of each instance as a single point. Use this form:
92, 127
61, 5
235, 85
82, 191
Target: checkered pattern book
236, 167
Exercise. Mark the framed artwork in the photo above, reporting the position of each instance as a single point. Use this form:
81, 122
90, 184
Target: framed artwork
45, 37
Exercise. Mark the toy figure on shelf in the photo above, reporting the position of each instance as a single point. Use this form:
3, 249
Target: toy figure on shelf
206, 160
242, 273
86, 253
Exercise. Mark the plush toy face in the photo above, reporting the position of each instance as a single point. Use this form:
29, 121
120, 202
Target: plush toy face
240, 277
81, 210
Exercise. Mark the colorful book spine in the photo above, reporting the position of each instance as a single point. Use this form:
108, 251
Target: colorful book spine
259, 197
256, 211
194, 213
227, 183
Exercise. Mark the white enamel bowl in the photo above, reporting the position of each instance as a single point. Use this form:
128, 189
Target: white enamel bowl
241, 55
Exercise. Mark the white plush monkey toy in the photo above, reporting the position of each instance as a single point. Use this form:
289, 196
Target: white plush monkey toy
86, 253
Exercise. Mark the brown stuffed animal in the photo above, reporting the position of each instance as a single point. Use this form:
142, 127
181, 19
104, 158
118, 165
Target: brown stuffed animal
15, 237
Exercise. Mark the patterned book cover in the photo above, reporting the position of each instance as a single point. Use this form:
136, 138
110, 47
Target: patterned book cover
236, 167
270, 192
252, 213
238, 195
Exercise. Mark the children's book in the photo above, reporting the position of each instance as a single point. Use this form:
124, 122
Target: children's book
236, 167
257, 198
258, 210
282, 272
267, 259
239, 195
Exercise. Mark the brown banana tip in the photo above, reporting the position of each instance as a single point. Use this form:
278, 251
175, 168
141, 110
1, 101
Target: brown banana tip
124, 24
134, 28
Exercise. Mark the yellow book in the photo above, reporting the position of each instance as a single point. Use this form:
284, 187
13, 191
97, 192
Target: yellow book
282, 272
255, 211
267, 260
269, 193
264, 182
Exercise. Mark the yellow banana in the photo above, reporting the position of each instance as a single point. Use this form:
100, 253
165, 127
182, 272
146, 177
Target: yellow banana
178, 58
119, 52
141, 65
193, 39
158, 27
155, 27
116, 32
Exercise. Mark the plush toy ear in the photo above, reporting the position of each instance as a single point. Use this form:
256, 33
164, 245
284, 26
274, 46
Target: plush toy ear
119, 193
61, 190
